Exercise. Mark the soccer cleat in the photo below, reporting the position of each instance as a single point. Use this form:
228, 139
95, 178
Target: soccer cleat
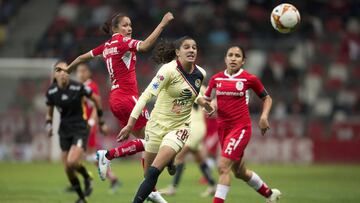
103, 164
274, 197
171, 168
209, 192
156, 197
69, 188
168, 191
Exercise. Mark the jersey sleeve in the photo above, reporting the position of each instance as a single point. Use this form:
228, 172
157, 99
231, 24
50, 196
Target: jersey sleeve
97, 51
85, 91
256, 85
209, 89
49, 100
133, 44
158, 82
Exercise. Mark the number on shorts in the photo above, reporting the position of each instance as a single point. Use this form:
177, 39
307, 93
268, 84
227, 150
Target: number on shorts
182, 135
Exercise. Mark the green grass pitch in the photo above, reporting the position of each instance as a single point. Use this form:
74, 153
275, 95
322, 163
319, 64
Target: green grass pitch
45, 182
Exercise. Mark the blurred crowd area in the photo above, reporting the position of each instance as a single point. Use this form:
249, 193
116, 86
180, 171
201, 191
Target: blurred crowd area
312, 74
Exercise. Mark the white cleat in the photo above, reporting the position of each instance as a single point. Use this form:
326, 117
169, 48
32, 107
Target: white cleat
275, 196
168, 191
103, 164
209, 192
156, 197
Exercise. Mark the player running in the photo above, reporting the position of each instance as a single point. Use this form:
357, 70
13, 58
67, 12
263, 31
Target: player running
119, 53
176, 86
231, 87
67, 96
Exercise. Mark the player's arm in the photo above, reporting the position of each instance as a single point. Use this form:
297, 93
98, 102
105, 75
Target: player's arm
80, 59
150, 40
259, 89
49, 119
97, 112
264, 122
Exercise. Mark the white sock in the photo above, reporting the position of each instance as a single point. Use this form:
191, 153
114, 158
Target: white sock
255, 181
221, 191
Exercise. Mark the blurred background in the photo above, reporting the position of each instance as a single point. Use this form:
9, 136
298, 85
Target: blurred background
312, 74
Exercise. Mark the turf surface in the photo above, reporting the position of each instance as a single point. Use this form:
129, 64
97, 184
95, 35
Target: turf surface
45, 182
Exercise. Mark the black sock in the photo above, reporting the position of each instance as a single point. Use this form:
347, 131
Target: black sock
207, 173
147, 185
76, 185
82, 170
178, 174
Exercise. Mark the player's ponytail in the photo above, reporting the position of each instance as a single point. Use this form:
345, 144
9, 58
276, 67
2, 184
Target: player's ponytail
111, 23
164, 51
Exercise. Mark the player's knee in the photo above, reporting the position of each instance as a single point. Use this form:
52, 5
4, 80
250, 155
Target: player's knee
71, 163
223, 169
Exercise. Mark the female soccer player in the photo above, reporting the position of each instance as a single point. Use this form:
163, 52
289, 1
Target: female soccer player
119, 53
234, 123
176, 86
193, 146
83, 74
67, 96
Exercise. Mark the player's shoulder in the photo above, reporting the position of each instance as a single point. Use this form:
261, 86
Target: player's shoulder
169, 67
202, 70
246, 74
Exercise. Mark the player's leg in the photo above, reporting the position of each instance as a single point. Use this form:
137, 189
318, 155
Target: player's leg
223, 186
163, 157
253, 180
180, 164
206, 172
71, 165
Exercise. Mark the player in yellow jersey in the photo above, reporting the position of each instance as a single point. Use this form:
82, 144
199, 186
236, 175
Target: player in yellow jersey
193, 145
176, 86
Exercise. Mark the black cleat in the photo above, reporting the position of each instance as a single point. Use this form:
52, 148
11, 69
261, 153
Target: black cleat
81, 200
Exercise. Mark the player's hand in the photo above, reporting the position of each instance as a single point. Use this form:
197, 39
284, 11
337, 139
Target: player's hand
167, 18
104, 129
264, 125
210, 110
48, 127
124, 134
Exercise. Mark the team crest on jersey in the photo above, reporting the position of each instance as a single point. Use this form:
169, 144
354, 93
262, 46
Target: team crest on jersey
239, 85
198, 83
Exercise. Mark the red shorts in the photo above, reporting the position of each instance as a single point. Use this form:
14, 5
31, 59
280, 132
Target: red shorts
92, 138
122, 105
234, 140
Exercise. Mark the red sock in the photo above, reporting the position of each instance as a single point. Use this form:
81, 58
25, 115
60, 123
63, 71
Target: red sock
129, 148
264, 190
218, 200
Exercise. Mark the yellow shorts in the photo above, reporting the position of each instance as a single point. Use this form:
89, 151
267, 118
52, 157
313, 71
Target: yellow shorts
157, 136
198, 130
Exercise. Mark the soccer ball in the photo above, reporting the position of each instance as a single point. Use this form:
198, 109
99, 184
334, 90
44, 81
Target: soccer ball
285, 18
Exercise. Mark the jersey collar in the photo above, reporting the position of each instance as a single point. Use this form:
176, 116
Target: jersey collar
236, 74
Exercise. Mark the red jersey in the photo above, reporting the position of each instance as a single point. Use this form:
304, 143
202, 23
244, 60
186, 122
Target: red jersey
119, 53
232, 96
89, 105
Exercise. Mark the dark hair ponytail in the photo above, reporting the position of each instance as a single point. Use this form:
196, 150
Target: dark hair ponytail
112, 23
164, 51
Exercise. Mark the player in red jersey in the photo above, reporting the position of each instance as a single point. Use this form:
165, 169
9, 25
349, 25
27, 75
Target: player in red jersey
83, 74
119, 53
231, 87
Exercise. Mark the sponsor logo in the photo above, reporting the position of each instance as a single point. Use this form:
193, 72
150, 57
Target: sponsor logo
155, 86
239, 94
64, 97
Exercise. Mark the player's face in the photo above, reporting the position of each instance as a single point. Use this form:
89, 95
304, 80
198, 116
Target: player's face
82, 73
124, 27
234, 59
60, 75
188, 51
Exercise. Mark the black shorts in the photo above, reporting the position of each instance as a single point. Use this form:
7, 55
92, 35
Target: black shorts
73, 134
